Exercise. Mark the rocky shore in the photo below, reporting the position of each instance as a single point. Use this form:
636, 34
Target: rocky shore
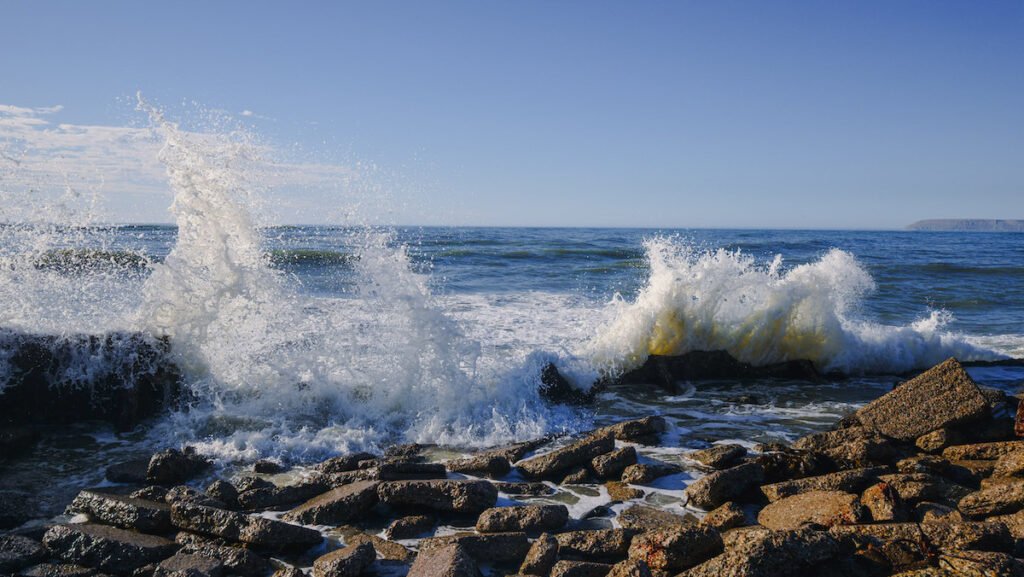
927, 480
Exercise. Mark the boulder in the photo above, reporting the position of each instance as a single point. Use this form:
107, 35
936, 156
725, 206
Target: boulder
602, 544
637, 430
523, 518
728, 516
916, 487
124, 512
349, 561
486, 548
274, 497
236, 560
719, 456
344, 463
410, 526
580, 569
58, 570
766, 553
107, 548
884, 503
577, 476
188, 565
942, 396
818, 508
611, 465
484, 464
643, 517
673, 549
450, 560
643, 473
852, 481
557, 389
568, 457
541, 557
618, 491
337, 505
387, 550
17, 552
789, 464
151, 493
243, 528
944, 536
268, 467
1009, 465
719, 487
224, 492
532, 489
995, 500
667, 371
630, 568
989, 451
440, 495
172, 466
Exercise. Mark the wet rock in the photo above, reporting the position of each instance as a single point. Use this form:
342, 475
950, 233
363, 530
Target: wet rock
236, 560
401, 471
388, 550
977, 451
852, 481
186, 494
765, 553
790, 464
995, 500
884, 503
643, 517
485, 464
636, 430
337, 505
557, 389
611, 465
719, 487
171, 466
17, 552
819, 508
577, 476
541, 556
642, 473
16, 507
57, 570
409, 452
133, 472
250, 483
667, 371
440, 495
268, 467
941, 396
532, 489
719, 456
517, 451
107, 548
450, 560
224, 492
601, 544
728, 516
676, 548
124, 512
580, 569
488, 548
187, 565
243, 528
561, 460
523, 518
274, 497
927, 512
349, 561
630, 568
410, 526
619, 491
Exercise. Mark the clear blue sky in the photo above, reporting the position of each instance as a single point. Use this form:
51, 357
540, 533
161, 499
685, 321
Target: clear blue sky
587, 113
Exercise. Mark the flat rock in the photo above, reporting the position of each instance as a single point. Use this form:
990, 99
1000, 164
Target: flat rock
236, 560
636, 430
728, 516
349, 561
124, 512
944, 536
825, 440
243, 528
523, 518
619, 491
789, 464
981, 564
534, 489
995, 500
917, 487
336, 506
344, 463
489, 547
976, 451
485, 464
17, 552
941, 396
388, 550
188, 565
643, 473
107, 548
410, 526
565, 568
274, 497
719, 456
171, 466
440, 495
604, 544
713, 490
611, 465
541, 557
561, 460
450, 560
820, 508
643, 517
766, 553
852, 481
673, 549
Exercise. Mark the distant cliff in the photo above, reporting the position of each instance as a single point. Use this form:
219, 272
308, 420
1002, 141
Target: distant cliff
969, 225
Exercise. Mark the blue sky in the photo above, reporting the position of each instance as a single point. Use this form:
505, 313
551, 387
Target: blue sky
580, 113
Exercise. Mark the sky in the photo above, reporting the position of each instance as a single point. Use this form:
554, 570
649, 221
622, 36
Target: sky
848, 114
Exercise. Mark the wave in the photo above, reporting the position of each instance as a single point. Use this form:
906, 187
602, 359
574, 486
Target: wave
79, 259
762, 313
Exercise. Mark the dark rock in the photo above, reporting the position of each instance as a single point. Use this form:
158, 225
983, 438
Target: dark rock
243, 528
557, 389
730, 484
611, 465
561, 460
630, 568
172, 466
790, 464
982, 451
16, 440
274, 497
966, 473
106, 548
450, 560
16, 507
523, 518
400, 471
817, 508
580, 569
350, 561
236, 560
996, 500
541, 557
336, 506
151, 493
884, 503
765, 553
17, 552
728, 516
224, 492
407, 453
667, 371
676, 548
484, 464
57, 570
642, 473
643, 517
411, 526
268, 467
852, 481
917, 487
926, 512
944, 536
251, 483
636, 430
188, 565
133, 472
288, 572
601, 544
942, 396
440, 495
719, 456
186, 494
124, 512
981, 564
487, 548
577, 476
344, 463
387, 550
619, 491
532, 489
517, 451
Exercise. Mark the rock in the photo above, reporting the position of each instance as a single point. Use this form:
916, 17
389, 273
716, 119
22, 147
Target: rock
268, 467
410, 526
250, 483
124, 512
187, 565
676, 548
344, 463
619, 491
224, 492
557, 389
402, 471
236, 560
819, 508
573, 455
57, 570
243, 528
490, 547
484, 464
728, 516
996, 500
611, 465
532, 489
643, 517
407, 453
917, 487
447, 561
577, 476
927, 512
981, 564
1010, 465
132, 472
523, 518
636, 430
580, 569
938, 440
186, 494
719, 456
977, 451
967, 473
852, 481
601, 544
349, 561
541, 556
16, 507
825, 440
288, 572
941, 396
867, 452
884, 503
790, 464
630, 568
668, 371
715, 489
106, 548
337, 505
944, 536
440, 495
172, 466
388, 550
765, 553
151, 493
17, 552
274, 497
642, 473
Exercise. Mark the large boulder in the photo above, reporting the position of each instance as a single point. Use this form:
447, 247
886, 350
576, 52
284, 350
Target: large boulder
852, 481
486, 548
171, 466
450, 560
125, 512
766, 553
243, 528
523, 518
819, 508
541, 557
573, 455
337, 505
673, 549
107, 548
600, 544
451, 496
17, 552
349, 561
719, 487
189, 565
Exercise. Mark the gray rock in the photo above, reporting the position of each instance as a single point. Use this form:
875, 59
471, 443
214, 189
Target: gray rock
124, 512
268, 467
151, 493
484, 464
574, 455
819, 508
387, 550
676, 548
350, 561
410, 526
447, 561
186, 494
602, 544
719, 487
275, 497
643, 517
611, 465
636, 430
440, 495
251, 483
337, 505
17, 552
577, 476
236, 560
541, 557
765, 553
852, 481
642, 473
224, 492
523, 518
487, 548
995, 500
57, 570
344, 463
243, 528
580, 569
718, 456
172, 466
107, 548
532, 489
188, 565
